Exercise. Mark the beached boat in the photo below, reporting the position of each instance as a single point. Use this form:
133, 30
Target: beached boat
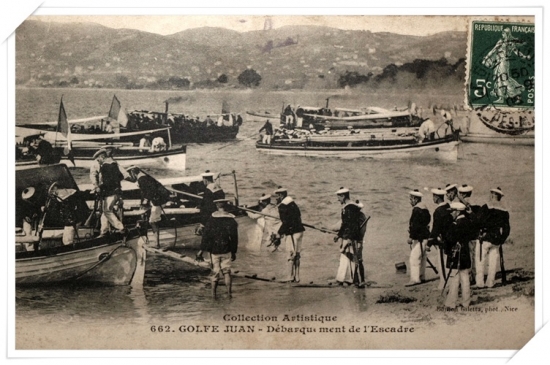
396, 143
501, 127
122, 126
41, 255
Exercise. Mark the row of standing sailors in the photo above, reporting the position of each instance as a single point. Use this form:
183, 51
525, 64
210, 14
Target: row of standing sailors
468, 238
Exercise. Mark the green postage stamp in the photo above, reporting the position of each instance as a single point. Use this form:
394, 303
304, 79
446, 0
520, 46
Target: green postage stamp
501, 65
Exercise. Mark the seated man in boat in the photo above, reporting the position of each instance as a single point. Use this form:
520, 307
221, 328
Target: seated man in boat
221, 239
426, 132
209, 121
43, 150
108, 127
158, 145
145, 143
29, 211
153, 193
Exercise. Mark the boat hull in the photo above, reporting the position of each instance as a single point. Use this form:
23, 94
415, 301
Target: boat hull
105, 264
262, 117
172, 160
442, 150
185, 235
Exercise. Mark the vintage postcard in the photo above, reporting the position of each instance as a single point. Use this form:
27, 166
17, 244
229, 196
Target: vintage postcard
275, 182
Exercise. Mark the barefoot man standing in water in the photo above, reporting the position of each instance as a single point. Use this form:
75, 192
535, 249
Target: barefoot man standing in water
221, 239
292, 229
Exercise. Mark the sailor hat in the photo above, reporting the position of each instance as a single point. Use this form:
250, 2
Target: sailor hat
438, 191
28, 193
450, 187
207, 173
222, 200
280, 189
342, 190
100, 152
134, 170
359, 204
457, 206
264, 197
497, 191
415, 192
465, 189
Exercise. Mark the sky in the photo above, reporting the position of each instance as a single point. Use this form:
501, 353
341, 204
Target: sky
412, 25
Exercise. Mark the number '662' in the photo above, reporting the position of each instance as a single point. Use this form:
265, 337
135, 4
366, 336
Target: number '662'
160, 328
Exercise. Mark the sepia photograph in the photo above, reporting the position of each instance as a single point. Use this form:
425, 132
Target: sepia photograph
274, 182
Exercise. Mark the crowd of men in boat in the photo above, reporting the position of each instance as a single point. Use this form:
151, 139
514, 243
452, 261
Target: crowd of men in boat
426, 132
468, 237
147, 120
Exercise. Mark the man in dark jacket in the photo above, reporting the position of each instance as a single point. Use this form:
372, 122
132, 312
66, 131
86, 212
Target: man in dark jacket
291, 229
212, 192
109, 190
458, 257
153, 194
45, 153
495, 222
268, 128
220, 238
419, 232
350, 236
442, 220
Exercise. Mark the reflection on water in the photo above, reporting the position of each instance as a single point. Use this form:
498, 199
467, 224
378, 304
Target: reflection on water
175, 290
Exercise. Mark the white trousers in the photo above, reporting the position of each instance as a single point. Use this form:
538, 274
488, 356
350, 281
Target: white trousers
294, 242
417, 261
458, 279
347, 266
109, 217
489, 255
266, 139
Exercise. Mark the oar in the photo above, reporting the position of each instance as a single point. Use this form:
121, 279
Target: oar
432, 265
324, 230
502, 270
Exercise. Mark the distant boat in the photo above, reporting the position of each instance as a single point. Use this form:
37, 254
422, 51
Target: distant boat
344, 118
77, 150
42, 258
127, 126
81, 155
398, 143
262, 116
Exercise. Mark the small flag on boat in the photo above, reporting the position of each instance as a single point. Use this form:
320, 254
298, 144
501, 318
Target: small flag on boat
62, 122
117, 113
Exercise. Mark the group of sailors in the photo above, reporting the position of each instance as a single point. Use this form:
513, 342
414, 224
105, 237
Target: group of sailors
469, 239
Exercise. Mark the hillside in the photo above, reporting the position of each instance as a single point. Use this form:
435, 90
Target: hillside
292, 57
